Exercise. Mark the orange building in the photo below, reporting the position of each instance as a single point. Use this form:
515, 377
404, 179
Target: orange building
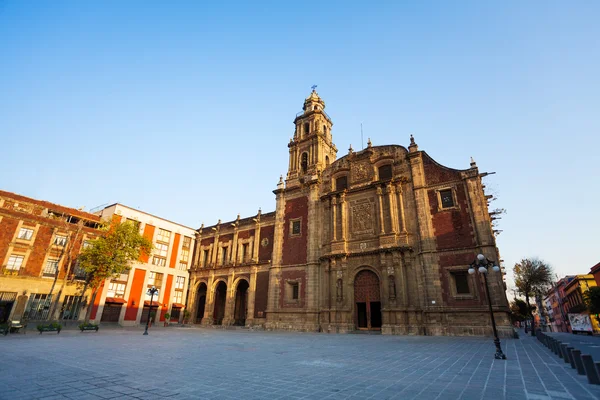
124, 299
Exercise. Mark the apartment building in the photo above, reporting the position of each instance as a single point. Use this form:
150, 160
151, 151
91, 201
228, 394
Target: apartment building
125, 299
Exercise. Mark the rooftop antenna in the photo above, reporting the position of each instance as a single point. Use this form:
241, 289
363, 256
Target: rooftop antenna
361, 137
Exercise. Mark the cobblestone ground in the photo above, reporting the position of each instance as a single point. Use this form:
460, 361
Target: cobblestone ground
190, 363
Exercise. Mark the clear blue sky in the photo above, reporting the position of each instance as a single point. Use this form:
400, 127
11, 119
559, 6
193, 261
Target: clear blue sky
185, 109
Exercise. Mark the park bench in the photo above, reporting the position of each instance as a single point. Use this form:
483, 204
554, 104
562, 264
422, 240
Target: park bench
89, 328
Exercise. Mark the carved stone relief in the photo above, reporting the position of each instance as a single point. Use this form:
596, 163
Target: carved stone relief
362, 217
360, 171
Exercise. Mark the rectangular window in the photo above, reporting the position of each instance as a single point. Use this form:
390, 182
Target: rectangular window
295, 227
185, 254
159, 261
78, 272
446, 198
295, 293
86, 244
60, 240
50, 268
116, 289
38, 307
461, 280
183, 266
223, 255
245, 248
179, 282
341, 183
134, 222
187, 241
385, 172
205, 258
163, 236
15, 262
25, 234
178, 297
161, 249
154, 279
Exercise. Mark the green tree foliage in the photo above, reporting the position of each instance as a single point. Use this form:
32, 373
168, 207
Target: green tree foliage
518, 309
111, 254
592, 299
532, 276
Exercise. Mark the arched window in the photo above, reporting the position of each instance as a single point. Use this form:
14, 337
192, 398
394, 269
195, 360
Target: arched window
327, 160
325, 128
306, 128
304, 163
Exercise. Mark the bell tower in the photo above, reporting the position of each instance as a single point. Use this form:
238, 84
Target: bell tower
311, 148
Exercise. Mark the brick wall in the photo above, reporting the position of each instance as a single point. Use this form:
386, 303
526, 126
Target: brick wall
265, 251
295, 247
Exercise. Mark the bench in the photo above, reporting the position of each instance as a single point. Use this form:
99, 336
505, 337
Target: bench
89, 328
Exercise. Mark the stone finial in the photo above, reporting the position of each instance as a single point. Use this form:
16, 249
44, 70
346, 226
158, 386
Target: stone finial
219, 221
369, 144
259, 211
350, 150
238, 217
473, 163
413, 148
280, 183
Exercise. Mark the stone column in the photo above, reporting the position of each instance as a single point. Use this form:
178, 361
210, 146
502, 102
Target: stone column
392, 200
234, 247
400, 198
334, 217
255, 243
343, 212
251, 297
381, 221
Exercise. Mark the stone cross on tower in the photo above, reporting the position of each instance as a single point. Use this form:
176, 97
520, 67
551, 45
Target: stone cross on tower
314, 87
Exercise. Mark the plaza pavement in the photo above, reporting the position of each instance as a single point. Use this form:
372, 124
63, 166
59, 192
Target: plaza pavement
193, 363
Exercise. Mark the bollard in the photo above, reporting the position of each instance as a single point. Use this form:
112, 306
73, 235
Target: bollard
590, 369
564, 352
557, 347
571, 359
578, 362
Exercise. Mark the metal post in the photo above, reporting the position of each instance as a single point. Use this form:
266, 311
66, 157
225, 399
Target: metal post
149, 311
499, 354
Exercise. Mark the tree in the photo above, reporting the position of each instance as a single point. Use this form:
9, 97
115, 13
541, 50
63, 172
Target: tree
591, 297
532, 276
110, 255
518, 309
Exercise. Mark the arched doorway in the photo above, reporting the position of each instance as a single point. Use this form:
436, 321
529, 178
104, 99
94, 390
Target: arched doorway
201, 299
367, 300
220, 300
241, 303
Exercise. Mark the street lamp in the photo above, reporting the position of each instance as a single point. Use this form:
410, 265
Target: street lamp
483, 264
152, 291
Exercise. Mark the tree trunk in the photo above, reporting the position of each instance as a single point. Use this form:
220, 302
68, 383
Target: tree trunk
88, 312
528, 311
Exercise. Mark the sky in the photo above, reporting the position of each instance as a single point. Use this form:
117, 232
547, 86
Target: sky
184, 109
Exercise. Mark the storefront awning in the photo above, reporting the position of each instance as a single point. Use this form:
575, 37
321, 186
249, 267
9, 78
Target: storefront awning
117, 300
178, 305
154, 303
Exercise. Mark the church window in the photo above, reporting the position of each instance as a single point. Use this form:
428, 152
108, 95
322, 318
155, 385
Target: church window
325, 128
461, 282
224, 255
304, 162
327, 160
293, 291
446, 198
341, 183
385, 172
306, 128
296, 227
205, 258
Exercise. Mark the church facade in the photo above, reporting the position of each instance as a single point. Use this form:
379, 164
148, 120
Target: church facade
379, 239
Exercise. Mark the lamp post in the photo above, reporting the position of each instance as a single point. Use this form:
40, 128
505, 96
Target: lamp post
152, 291
483, 264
